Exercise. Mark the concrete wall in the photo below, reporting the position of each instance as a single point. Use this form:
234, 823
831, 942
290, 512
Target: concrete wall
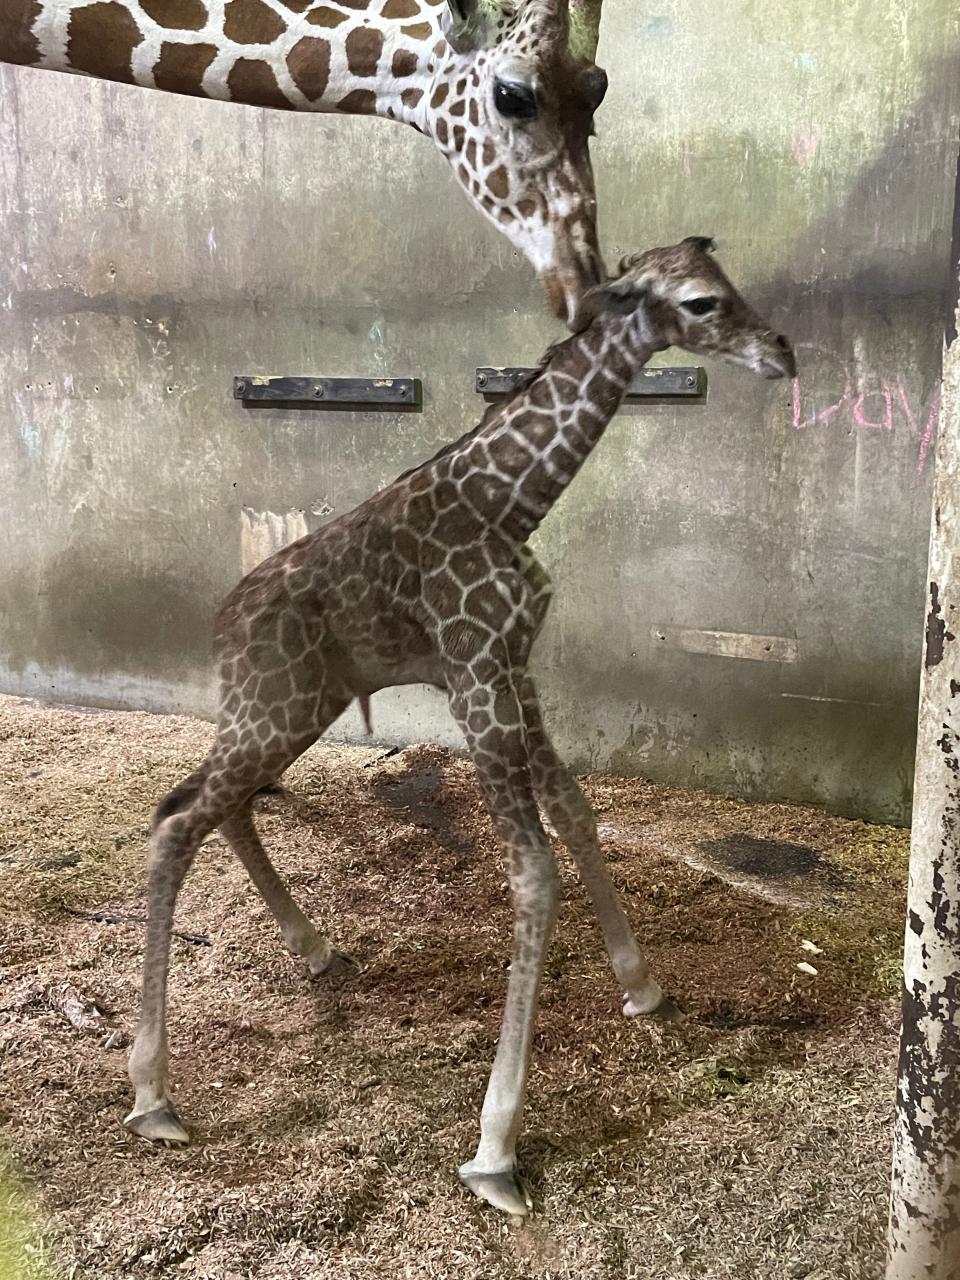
153, 247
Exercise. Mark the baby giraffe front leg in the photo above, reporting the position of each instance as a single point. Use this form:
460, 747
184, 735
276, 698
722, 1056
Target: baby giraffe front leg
570, 812
491, 725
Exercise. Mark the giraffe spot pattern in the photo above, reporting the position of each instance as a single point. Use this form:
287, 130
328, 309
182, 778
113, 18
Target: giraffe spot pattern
309, 65
499, 183
297, 6
180, 67
411, 97
489, 152
359, 102
418, 30
251, 80
405, 63
326, 17
400, 9
101, 39
176, 15
439, 95
20, 46
251, 22
364, 46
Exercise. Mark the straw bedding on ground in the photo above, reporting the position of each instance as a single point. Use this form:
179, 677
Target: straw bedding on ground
328, 1121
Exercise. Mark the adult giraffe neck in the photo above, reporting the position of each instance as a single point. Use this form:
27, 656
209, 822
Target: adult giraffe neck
368, 60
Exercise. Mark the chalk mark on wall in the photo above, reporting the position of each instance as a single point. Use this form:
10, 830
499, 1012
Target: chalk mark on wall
869, 402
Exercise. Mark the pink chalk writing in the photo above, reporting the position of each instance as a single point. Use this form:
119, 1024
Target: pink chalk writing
869, 402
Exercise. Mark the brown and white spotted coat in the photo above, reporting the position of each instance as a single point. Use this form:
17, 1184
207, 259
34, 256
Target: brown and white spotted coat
504, 90
431, 581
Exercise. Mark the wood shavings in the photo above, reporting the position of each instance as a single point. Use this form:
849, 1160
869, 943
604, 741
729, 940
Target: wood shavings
330, 1149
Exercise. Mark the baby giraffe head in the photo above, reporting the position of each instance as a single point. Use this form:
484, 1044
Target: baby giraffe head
512, 109
688, 302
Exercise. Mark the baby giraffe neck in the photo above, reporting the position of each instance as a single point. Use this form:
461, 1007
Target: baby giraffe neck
542, 439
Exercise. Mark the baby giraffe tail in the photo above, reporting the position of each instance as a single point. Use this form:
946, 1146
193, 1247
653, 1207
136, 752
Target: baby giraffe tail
181, 796
364, 700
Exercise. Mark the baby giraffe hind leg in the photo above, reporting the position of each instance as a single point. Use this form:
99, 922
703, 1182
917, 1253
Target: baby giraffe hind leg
181, 822
299, 935
213, 796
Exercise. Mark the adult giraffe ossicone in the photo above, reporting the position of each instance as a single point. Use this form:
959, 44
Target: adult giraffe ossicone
431, 581
506, 90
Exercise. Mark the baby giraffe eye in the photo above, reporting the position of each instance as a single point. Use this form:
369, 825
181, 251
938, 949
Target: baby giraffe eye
514, 101
700, 306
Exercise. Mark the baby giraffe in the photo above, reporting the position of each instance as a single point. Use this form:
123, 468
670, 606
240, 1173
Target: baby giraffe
430, 581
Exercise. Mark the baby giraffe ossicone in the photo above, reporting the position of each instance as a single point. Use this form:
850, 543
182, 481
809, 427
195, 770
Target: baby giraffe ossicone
431, 581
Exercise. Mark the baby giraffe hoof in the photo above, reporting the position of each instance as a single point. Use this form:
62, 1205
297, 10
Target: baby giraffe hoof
665, 1011
502, 1190
331, 964
160, 1125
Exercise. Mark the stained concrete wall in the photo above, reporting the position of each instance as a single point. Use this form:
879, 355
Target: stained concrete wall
153, 247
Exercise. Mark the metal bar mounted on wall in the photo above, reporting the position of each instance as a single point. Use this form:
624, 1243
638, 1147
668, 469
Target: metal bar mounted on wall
649, 385
329, 393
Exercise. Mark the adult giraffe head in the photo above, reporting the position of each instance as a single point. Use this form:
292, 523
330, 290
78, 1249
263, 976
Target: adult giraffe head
511, 107
506, 88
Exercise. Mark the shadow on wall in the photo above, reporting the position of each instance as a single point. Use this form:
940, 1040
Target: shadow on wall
896, 266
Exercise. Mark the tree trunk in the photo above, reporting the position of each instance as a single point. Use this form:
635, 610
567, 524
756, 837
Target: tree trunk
924, 1242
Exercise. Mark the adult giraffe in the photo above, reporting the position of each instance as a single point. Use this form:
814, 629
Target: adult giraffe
505, 88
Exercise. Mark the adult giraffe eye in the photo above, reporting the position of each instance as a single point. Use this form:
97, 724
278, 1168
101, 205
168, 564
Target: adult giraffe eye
700, 306
514, 101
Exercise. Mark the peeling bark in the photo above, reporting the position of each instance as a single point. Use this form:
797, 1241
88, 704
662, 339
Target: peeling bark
924, 1242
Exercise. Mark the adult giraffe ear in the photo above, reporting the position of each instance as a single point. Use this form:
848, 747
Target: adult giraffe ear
614, 297
468, 25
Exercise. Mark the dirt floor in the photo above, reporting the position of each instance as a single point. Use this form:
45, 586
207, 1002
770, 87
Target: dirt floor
329, 1122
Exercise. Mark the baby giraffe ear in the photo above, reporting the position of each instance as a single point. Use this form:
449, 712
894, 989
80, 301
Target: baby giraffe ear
706, 243
615, 297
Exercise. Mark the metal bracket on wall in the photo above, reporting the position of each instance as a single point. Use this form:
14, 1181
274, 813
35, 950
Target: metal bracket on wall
657, 385
329, 393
